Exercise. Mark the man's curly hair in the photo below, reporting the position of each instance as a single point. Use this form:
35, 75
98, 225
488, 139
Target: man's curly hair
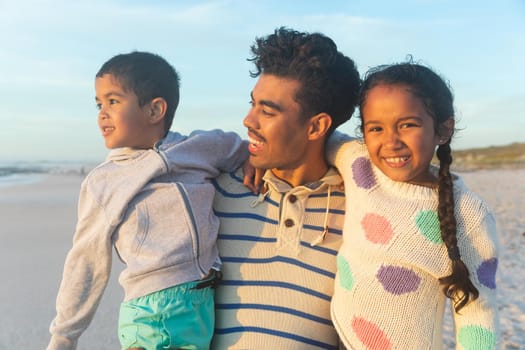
329, 80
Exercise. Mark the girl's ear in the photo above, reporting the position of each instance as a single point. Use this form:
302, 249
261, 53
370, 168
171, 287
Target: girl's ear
319, 126
158, 107
446, 129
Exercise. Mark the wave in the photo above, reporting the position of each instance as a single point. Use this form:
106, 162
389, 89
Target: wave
44, 167
17, 173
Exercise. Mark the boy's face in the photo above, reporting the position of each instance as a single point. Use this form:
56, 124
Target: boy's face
122, 122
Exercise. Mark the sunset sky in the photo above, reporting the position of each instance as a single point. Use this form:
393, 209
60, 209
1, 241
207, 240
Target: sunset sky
51, 50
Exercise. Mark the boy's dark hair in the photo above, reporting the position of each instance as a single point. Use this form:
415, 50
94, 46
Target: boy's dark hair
438, 100
329, 80
148, 76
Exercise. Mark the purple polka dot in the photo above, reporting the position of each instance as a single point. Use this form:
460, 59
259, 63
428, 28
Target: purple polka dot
362, 172
487, 273
398, 280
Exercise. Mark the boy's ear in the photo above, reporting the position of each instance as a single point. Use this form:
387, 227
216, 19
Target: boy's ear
319, 126
157, 110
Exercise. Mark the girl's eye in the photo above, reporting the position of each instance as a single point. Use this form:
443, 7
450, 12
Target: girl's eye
374, 129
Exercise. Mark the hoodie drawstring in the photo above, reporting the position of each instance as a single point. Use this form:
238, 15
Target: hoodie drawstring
322, 236
260, 198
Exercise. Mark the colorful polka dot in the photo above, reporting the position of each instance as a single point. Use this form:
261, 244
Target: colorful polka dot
476, 338
346, 277
362, 173
487, 273
377, 228
398, 280
370, 334
427, 222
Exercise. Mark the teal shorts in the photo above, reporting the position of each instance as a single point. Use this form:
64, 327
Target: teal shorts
180, 317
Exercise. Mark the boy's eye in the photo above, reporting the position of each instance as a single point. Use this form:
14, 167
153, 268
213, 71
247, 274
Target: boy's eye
408, 125
99, 106
112, 101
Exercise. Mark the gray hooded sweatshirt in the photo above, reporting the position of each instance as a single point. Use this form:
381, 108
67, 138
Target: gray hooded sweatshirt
155, 207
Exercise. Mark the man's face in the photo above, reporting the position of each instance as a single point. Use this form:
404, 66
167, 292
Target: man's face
278, 135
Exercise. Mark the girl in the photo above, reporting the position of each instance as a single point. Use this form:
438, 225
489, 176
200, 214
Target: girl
413, 234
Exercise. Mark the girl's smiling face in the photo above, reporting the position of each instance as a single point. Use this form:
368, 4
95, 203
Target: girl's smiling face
400, 134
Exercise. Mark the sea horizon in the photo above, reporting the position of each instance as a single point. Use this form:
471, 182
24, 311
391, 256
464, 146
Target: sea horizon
32, 171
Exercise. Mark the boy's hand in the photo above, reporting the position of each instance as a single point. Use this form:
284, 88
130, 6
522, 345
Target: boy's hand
252, 177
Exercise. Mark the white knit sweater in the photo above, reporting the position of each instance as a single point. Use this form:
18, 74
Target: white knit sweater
387, 294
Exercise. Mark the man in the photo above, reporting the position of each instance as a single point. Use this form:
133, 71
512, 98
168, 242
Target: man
279, 248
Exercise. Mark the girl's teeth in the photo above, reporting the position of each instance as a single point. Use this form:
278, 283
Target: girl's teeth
397, 159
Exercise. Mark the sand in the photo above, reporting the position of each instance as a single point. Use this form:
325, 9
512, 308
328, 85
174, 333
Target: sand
37, 222
37, 225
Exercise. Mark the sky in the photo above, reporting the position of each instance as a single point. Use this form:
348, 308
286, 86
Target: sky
52, 49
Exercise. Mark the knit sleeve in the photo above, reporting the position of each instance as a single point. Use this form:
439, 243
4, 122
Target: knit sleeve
349, 156
86, 273
477, 324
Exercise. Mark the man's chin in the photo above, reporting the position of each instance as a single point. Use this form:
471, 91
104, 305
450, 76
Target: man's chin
257, 162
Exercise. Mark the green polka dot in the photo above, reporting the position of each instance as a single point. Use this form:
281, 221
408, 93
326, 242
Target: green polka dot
476, 338
346, 277
427, 222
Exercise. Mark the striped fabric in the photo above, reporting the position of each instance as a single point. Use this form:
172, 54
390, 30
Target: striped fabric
277, 287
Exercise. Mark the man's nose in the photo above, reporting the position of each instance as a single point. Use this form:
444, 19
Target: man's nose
250, 120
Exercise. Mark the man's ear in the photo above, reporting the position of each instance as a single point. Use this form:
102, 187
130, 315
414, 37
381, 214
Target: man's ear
319, 126
157, 109
446, 129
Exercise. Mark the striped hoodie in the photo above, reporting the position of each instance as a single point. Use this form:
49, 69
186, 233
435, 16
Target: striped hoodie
279, 259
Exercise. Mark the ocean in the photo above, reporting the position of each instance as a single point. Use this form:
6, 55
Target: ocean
27, 172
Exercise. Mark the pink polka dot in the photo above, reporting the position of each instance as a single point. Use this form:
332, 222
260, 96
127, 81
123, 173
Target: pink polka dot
377, 228
370, 334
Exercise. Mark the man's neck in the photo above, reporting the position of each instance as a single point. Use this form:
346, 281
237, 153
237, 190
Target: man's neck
304, 173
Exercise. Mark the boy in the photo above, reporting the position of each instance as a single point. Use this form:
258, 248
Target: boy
160, 219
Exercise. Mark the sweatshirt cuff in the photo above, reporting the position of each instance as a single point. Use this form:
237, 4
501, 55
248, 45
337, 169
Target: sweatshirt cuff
61, 343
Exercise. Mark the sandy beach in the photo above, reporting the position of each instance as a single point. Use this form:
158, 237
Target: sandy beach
37, 224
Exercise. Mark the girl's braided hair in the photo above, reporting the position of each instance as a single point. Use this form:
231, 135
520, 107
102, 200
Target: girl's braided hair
437, 98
